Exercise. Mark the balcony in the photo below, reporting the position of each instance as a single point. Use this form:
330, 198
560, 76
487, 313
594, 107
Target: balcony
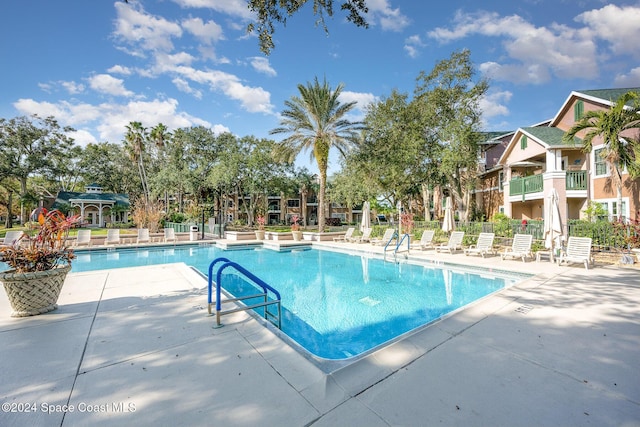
526, 185
576, 180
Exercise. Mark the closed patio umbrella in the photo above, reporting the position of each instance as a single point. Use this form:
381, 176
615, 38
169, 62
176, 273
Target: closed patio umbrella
552, 223
448, 224
366, 216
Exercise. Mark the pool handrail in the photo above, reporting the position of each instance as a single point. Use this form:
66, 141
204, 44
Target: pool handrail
406, 236
265, 288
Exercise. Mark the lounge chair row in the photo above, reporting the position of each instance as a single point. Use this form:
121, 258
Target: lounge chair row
113, 236
389, 236
578, 248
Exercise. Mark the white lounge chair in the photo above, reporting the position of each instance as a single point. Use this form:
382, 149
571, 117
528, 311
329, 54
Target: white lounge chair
388, 235
520, 248
483, 246
366, 236
578, 250
170, 235
113, 236
347, 236
426, 241
143, 235
83, 238
12, 238
454, 243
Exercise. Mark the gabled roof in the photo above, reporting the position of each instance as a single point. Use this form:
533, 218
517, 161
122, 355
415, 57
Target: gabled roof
493, 137
609, 96
549, 136
64, 197
606, 97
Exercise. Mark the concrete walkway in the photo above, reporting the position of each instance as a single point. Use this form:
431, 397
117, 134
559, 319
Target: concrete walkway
135, 346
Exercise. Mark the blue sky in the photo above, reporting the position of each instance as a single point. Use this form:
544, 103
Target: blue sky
97, 65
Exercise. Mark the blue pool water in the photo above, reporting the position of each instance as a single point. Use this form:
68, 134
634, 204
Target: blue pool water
335, 305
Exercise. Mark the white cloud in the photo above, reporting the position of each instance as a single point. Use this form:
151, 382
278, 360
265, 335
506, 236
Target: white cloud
389, 19
538, 52
620, 26
631, 79
111, 119
231, 7
412, 45
142, 31
72, 87
83, 137
262, 65
107, 84
252, 99
363, 101
120, 69
183, 86
208, 33
493, 104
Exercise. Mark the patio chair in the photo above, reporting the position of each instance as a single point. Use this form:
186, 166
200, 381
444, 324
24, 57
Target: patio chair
388, 236
83, 238
347, 236
113, 236
426, 241
366, 236
170, 235
578, 250
483, 246
454, 243
143, 235
520, 248
12, 238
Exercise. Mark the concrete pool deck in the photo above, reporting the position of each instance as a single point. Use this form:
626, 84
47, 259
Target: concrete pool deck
135, 346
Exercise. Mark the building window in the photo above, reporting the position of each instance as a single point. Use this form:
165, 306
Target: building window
523, 142
611, 207
501, 180
578, 110
293, 203
599, 163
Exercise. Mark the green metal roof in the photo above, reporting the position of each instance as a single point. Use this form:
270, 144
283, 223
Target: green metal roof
611, 95
492, 136
64, 197
551, 136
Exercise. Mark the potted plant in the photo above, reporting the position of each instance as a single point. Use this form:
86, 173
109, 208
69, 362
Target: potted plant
295, 228
39, 264
260, 220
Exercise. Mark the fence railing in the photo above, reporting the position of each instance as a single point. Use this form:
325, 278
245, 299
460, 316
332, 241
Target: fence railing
605, 235
576, 180
526, 185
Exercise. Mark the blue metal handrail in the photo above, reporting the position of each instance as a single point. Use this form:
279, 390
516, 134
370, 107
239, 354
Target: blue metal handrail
395, 235
265, 289
408, 238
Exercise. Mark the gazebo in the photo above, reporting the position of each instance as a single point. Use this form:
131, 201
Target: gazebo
96, 207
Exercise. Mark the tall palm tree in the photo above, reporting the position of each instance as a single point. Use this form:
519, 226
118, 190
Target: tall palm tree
609, 124
135, 143
316, 121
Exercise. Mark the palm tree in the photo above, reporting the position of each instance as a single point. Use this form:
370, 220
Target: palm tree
315, 121
135, 143
609, 124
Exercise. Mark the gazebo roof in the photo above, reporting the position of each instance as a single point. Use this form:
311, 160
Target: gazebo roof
65, 197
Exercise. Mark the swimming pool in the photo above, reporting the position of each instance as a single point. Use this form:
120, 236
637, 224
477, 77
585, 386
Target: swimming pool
335, 305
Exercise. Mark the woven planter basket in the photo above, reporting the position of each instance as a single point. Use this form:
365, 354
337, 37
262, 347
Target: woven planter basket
34, 293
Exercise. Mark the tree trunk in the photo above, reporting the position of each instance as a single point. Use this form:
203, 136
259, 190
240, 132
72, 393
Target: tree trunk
619, 191
9, 221
321, 192
425, 202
